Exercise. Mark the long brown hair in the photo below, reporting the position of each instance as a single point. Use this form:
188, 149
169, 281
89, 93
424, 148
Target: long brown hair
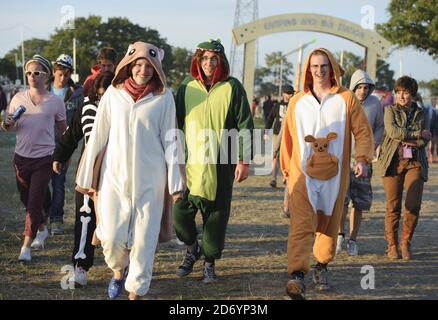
103, 80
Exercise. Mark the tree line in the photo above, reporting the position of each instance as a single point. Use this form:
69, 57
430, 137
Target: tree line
412, 23
91, 34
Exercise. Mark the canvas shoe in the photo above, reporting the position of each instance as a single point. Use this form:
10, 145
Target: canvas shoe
25, 255
352, 248
115, 286
79, 277
38, 242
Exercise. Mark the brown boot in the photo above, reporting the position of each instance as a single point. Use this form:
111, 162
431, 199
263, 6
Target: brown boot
405, 243
391, 236
392, 252
405, 250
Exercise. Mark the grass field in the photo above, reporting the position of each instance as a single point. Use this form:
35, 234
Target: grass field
254, 260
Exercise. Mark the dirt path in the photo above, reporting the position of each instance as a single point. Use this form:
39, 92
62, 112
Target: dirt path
254, 260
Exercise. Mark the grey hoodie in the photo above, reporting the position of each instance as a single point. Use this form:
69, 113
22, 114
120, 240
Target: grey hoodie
371, 104
74, 98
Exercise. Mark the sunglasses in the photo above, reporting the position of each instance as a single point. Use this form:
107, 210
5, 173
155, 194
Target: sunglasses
35, 73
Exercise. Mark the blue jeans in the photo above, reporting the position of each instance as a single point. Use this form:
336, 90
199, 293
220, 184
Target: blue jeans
57, 199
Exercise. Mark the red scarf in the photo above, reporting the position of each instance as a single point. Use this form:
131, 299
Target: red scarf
138, 91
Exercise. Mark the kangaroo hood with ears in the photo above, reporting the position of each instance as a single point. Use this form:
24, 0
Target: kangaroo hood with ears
136, 51
337, 70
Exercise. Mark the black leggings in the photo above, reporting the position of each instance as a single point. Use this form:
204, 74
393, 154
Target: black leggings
85, 224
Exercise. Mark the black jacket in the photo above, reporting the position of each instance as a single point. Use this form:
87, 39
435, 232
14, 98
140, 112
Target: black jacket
81, 125
273, 121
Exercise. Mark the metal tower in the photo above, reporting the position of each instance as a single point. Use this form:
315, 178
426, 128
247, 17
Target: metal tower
246, 11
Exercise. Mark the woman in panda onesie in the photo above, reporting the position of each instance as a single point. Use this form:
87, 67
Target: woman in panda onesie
135, 127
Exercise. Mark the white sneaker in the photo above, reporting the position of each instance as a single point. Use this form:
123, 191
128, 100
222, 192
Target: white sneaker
38, 242
339, 243
352, 248
25, 254
79, 276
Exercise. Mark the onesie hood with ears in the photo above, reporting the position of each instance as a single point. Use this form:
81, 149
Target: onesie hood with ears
136, 51
338, 72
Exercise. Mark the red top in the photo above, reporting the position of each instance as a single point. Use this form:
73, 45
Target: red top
89, 81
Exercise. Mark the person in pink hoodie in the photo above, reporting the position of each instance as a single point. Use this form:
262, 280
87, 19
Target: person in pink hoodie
107, 59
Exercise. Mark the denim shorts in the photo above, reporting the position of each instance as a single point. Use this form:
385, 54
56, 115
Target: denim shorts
360, 192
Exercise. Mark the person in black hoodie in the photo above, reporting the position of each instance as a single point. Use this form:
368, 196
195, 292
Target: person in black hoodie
274, 121
85, 222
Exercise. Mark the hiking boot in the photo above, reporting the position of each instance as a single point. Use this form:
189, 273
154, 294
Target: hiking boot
339, 243
38, 242
189, 260
295, 287
352, 248
209, 274
405, 251
79, 276
273, 183
320, 280
392, 252
25, 255
57, 227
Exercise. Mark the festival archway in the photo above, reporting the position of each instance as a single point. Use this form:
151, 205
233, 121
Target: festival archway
247, 34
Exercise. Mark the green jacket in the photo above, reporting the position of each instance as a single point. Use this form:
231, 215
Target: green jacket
396, 130
203, 115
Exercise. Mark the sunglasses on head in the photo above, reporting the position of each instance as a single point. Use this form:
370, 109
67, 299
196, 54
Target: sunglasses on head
35, 73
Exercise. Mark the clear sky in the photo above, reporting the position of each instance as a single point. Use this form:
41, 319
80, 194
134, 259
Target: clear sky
186, 23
